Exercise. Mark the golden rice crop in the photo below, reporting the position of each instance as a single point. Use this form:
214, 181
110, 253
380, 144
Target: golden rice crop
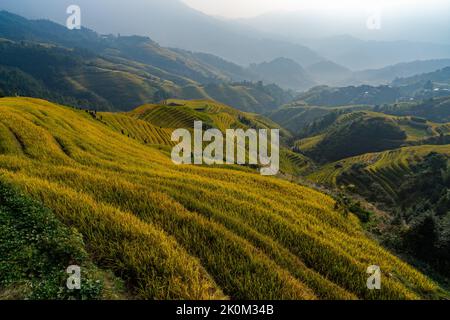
189, 232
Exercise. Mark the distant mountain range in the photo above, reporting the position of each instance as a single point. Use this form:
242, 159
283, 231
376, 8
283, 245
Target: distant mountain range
422, 21
358, 54
406, 32
235, 50
171, 23
418, 87
174, 24
328, 72
441, 78
400, 70
148, 72
44, 59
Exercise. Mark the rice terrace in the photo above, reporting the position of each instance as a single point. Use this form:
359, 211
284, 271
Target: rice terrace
224, 159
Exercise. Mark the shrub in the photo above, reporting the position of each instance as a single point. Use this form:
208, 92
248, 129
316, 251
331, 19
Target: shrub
36, 249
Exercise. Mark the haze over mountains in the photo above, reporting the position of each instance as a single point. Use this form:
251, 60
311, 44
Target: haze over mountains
360, 54
44, 59
404, 31
144, 71
399, 20
172, 23
272, 48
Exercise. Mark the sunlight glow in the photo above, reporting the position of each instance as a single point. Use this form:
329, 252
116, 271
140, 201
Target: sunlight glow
251, 8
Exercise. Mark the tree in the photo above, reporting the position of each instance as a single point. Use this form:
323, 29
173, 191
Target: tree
422, 237
428, 85
161, 95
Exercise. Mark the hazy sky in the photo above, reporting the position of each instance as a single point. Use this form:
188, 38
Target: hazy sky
251, 8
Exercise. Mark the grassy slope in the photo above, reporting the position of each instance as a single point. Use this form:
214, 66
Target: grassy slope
154, 123
138, 129
185, 231
181, 113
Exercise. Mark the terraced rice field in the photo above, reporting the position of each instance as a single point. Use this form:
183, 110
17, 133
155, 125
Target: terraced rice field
387, 168
190, 232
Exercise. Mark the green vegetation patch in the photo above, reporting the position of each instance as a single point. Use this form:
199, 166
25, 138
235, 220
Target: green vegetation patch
35, 251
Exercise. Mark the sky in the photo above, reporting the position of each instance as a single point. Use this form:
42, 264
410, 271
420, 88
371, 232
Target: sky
252, 8
292, 20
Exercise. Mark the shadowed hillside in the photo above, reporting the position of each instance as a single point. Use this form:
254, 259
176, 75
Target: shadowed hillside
340, 134
387, 167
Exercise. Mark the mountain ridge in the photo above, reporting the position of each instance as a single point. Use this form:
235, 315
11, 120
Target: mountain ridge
140, 70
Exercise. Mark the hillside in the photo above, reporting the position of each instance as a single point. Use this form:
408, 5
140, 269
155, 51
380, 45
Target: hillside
227, 68
434, 109
190, 232
79, 69
393, 171
156, 18
351, 95
353, 134
387, 167
344, 133
182, 113
412, 185
329, 73
441, 76
157, 121
390, 73
153, 124
410, 89
297, 117
141, 49
284, 72
83, 79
